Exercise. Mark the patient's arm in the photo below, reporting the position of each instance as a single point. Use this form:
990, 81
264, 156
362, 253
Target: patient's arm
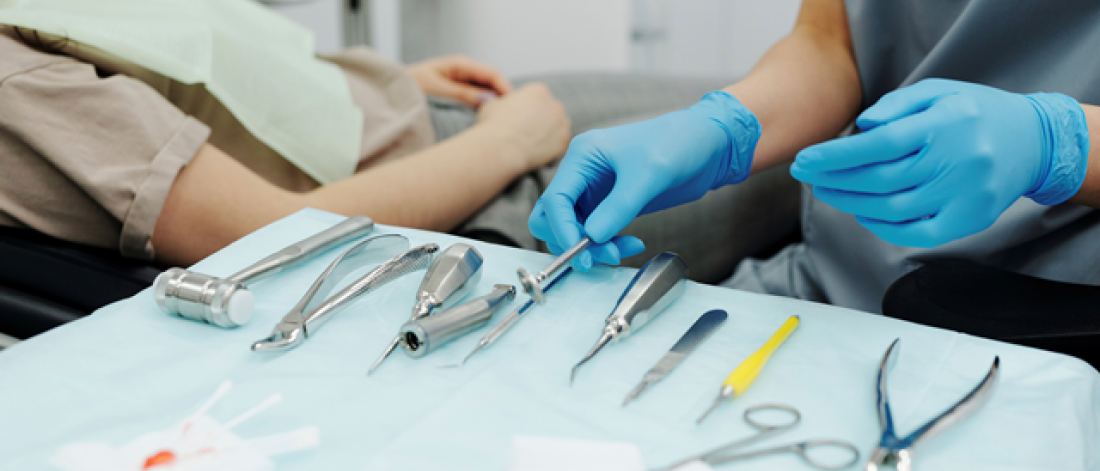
216, 200
806, 88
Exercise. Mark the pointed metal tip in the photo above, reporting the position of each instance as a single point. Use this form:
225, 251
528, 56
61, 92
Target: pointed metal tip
636, 392
717, 402
378, 362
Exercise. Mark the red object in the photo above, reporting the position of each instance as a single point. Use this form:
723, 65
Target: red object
161, 458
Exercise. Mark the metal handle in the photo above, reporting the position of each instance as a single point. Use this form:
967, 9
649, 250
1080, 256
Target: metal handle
652, 289
453, 273
414, 259
342, 232
565, 257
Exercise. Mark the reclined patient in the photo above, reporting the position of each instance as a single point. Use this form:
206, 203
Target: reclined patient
98, 150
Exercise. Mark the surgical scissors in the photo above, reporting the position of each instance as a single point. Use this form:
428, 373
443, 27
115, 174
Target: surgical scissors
766, 429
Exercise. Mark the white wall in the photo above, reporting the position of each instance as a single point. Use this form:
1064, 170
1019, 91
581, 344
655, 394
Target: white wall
323, 17
523, 37
707, 37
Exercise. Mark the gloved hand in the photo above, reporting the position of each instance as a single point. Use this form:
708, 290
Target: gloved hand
942, 159
610, 176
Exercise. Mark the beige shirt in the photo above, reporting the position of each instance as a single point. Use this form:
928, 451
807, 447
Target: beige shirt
90, 144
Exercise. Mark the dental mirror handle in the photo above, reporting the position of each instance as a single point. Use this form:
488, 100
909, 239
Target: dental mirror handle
565, 258
342, 232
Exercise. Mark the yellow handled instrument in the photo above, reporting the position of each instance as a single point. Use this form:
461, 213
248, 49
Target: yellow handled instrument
745, 373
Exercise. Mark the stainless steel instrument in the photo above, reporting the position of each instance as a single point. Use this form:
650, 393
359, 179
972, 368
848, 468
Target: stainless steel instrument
226, 302
531, 283
812, 452
295, 326
454, 273
510, 320
653, 288
898, 451
421, 336
699, 331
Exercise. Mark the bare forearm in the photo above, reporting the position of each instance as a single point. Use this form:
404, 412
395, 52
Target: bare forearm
1089, 194
435, 189
806, 88
215, 200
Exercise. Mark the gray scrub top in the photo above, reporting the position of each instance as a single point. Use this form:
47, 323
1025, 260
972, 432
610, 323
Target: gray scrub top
1022, 46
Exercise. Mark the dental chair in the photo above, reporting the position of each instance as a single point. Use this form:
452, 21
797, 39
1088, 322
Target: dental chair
988, 302
45, 282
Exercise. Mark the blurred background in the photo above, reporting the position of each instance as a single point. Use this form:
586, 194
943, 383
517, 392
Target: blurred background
529, 37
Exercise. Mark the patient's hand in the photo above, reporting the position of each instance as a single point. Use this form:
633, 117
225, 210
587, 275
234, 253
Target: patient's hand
460, 78
531, 119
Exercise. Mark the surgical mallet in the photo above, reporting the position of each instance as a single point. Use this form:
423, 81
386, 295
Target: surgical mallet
531, 283
226, 302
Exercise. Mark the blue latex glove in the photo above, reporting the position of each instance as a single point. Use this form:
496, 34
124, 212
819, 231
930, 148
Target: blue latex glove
611, 176
941, 160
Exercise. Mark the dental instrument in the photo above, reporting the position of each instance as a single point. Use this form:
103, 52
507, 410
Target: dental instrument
422, 336
699, 331
510, 320
892, 449
659, 282
295, 326
745, 373
451, 276
226, 302
808, 450
531, 283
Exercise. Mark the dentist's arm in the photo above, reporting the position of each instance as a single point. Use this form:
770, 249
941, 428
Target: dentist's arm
805, 90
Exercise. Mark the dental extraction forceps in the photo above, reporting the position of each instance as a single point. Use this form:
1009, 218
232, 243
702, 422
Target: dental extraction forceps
309, 314
896, 450
764, 430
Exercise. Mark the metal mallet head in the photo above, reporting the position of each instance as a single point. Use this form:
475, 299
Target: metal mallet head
203, 298
225, 302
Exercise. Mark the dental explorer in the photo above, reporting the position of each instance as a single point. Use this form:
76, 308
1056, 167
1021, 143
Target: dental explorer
653, 288
510, 320
295, 327
699, 331
531, 283
745, 373
422, 336
454, 272
226, 302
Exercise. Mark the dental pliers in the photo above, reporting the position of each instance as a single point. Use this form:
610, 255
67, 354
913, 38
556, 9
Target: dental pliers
898, 451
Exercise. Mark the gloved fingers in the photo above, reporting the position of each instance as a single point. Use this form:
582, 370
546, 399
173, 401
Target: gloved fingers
905, 101
629, 246
883, 144
881, 178
627, 198
563, 223
949, 225
607, 253
539, 224
909, 205
625, 246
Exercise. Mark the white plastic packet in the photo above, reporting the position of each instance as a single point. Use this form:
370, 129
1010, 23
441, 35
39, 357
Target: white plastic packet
258, 64
198, 443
